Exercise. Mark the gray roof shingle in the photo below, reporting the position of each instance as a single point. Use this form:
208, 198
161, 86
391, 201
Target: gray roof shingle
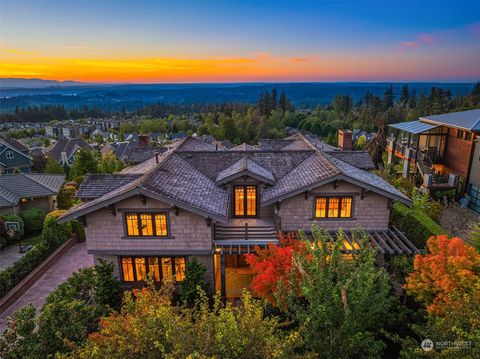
97, 185
359, 159
187, 179
24, 185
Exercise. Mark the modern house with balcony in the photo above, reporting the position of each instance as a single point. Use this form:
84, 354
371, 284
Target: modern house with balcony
442, 149
215, 205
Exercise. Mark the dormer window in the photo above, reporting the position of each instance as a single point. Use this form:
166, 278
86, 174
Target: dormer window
9, 155
245, 201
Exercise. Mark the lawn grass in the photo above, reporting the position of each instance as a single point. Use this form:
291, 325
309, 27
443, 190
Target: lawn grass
32, 240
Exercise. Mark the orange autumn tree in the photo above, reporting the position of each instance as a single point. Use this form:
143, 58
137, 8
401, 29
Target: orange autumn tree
443, 276
273, 267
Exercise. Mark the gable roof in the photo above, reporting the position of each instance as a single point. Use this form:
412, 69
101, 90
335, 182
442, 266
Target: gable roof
25, 185
69, 146
191, 179
245, 167
17, 145
465, 120
244, 147
8, 144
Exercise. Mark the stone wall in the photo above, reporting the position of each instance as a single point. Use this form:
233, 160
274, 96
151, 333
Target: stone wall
369, 213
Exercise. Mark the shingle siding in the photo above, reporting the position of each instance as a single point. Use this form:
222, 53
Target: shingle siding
105, 232
370, 213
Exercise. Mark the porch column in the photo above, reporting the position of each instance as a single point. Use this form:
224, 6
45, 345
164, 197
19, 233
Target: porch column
222, 275
406, 163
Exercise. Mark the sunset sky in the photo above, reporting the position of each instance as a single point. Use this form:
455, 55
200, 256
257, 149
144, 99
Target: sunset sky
239, 41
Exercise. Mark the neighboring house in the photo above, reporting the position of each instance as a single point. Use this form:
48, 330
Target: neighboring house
22, 190
13, 156
65, 149
120, 150
215, 205
442, 149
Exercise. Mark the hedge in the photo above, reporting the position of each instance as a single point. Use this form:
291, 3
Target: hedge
416, 225
53, 236
33, 219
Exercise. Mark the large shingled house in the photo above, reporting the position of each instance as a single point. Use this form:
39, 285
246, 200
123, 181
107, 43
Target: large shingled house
196, 201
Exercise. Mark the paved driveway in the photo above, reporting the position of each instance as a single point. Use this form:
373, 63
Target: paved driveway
9, 255
75, 259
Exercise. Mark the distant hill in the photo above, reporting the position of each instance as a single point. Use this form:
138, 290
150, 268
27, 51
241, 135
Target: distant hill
11, 83
109, 97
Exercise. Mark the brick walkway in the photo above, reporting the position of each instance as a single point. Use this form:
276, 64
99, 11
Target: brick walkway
75, 259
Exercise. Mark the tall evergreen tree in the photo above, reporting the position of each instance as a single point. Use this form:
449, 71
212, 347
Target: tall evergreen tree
405, 96
388, 98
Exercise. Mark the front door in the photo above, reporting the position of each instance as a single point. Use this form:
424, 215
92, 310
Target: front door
245, 201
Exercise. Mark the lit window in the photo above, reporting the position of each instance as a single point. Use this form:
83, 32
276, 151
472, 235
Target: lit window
333, 207
346, 207
179, 269
245, 198
132, 224
251, 200
167, 272
127, 269
239, 201
321, 207
161, 224
160, 269
154, 268
9, 155
146, 224
140, 269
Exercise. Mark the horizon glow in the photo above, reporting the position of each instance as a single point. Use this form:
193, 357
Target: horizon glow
240, 41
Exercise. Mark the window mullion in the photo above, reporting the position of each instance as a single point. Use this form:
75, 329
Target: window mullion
327, 207
339, 207
154, 227
134, 269
139, 224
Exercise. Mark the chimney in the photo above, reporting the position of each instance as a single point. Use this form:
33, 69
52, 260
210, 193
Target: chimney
144, 141
156, 157
345, 140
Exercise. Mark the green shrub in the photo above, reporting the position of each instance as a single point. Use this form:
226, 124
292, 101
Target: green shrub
10, 217
55, 233
423, 203
78, 229
33, 219
416, 225
194, 279
66, 197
